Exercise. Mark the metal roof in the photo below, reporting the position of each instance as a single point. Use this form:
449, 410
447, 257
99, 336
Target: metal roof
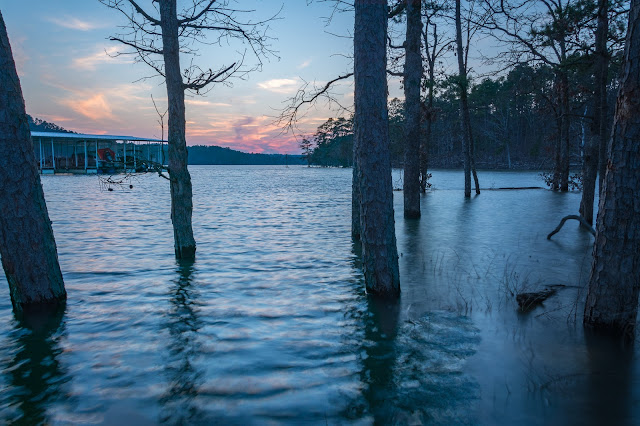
61, 135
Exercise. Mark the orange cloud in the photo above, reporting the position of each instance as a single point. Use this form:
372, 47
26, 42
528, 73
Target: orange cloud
94, 107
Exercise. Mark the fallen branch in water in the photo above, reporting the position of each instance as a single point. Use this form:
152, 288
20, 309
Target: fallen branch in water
580, 219
527, 301
513, 188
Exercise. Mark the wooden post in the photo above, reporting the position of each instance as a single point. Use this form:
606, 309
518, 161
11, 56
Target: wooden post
53, 156
86, 159
41, 160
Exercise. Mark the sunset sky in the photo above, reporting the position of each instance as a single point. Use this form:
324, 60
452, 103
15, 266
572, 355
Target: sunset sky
61, 50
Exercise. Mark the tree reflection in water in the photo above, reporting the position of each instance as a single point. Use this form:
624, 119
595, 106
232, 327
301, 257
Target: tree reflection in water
184, 378
379, 358
36, 378
610, 396
412, 365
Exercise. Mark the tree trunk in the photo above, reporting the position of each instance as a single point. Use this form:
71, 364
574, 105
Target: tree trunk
355, 196
589, 174
598, 124
429, 113
472, 151
602, 66
27, 245
379, 251
464, 105
424, 156
180, 180
564, 131
614, 284
412, 77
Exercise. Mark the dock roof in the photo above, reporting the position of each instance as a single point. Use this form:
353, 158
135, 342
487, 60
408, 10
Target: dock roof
62, 135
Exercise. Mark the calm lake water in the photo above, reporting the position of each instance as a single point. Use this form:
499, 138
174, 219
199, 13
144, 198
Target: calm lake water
271, 324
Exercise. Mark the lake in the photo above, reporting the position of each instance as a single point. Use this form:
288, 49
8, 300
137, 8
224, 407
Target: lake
271, 323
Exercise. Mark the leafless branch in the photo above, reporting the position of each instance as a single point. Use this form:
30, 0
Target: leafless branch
202, 22
290, 115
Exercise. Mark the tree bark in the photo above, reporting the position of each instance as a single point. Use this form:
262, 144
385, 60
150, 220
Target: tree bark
602, 65
429, 110
412, 77
472, 152
355, 196
598, 124
180, 179
464, 104
614, 284
565, 145
27, 245
379, 251
589, 175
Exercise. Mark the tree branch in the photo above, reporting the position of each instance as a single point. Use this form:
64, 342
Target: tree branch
141, 11
580, 219
197, 15
136, 46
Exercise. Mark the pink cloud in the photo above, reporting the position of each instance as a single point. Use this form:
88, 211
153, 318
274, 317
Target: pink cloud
247, 133
94, 107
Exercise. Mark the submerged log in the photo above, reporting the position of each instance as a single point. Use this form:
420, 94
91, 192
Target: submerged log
580, 219
527, 301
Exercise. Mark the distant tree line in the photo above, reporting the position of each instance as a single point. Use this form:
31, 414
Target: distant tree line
208, 154
39, 125
514, 120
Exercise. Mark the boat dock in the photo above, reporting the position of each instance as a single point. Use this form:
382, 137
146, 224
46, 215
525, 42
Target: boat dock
77, 153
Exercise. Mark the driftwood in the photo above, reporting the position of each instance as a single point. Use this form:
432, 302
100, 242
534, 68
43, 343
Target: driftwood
528, 301
507, 188
580, 219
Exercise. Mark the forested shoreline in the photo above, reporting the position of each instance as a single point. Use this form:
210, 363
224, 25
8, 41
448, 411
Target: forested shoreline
513, 117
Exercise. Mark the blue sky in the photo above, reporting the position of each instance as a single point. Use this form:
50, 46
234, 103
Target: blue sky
66, 76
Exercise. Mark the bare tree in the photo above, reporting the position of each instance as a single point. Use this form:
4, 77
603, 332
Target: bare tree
374, 197
551, 32
614, 284
465, 117
434, 46
159, 38
27, 245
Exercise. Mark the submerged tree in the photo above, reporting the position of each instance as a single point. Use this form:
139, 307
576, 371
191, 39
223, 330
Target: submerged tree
412, 79
27, 245
465, 117
614, 284
373, 193
159, 41
434, 46
599, 122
